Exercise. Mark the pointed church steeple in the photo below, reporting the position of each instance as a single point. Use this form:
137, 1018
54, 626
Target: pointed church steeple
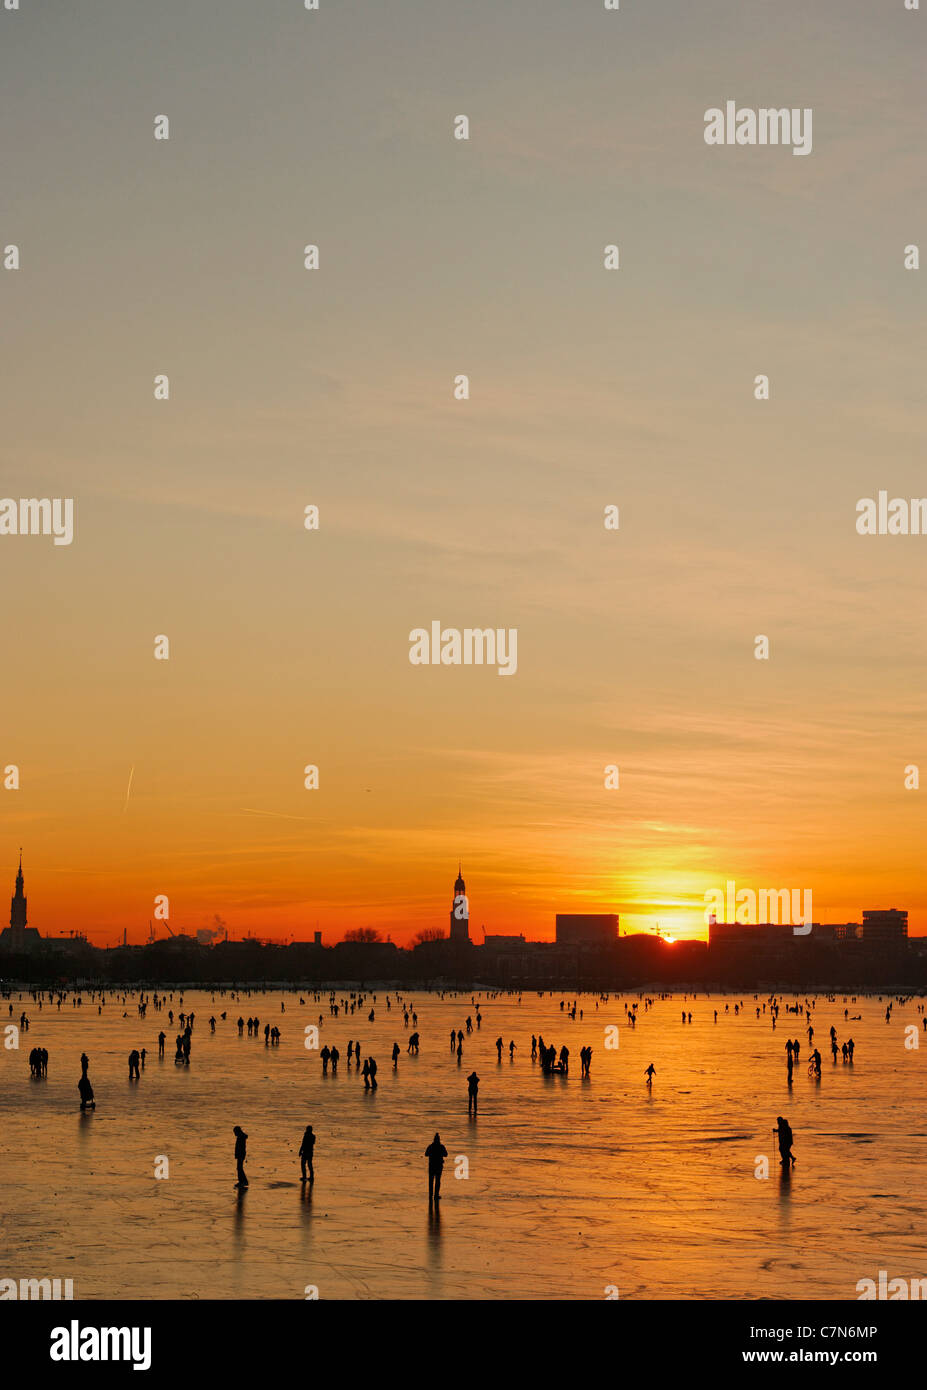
18, 904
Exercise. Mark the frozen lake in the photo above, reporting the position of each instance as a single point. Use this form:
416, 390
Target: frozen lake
573, 1184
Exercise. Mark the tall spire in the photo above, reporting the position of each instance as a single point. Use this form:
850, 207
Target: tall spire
460, 911
18, 903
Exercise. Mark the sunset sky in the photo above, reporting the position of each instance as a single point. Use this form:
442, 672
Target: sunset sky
335, 387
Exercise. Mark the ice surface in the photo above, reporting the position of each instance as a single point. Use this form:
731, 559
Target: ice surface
573, 1185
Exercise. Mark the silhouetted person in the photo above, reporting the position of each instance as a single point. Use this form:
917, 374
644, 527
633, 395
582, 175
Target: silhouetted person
395, 1054
650, 1073
86, 1092
784, 1131
436, 1153
133, 1064
473, 1086
499, 1048
241, 1142
306, 1150
160, 1044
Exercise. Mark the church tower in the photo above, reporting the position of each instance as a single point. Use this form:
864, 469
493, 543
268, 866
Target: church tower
460, 913
18, 910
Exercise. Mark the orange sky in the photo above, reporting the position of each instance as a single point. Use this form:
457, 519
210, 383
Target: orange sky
335, 387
